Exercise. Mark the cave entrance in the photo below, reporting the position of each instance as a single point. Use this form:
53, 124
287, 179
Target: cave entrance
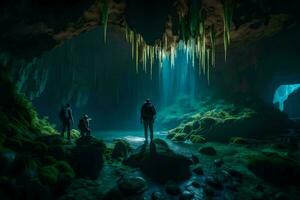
287, 97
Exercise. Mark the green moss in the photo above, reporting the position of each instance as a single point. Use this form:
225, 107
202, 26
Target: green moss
49, 175
197, 139
75, 134
65, 168
180, 137
49, 160
188, 128
40, 148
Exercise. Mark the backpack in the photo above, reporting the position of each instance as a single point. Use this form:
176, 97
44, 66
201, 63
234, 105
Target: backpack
148, 110
63, 114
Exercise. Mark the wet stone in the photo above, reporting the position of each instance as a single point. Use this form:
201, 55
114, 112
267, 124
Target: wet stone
186, 195
131, 185
173, 189
218, 162
196, 184
210, 151
158, 196
198, 170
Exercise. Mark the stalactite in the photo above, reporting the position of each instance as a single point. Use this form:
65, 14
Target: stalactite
104, 11
212, 34
227, 20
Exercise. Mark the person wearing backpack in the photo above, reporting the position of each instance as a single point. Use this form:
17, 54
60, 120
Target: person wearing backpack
66, 118
148, 113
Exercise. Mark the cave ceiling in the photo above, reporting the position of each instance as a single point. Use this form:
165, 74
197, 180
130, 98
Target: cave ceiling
31, 27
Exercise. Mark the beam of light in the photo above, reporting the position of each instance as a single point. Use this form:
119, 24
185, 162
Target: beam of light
282, 93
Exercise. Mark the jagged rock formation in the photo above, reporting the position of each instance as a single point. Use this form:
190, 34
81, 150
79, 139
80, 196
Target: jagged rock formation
49, 24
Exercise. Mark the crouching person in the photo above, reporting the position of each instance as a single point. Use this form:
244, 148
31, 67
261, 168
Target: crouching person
84, 126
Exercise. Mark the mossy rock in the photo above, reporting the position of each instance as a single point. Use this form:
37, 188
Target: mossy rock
40, 148
275, 169
177, 130
49, 175
121, 149
196, 139
208, 122
170, 135
180, 137
88, 157
160, 143
65, 168
7, 157
196, 125
22, 163
75, 134
57, 151
239, 140
14, 144
48, 160
188, 128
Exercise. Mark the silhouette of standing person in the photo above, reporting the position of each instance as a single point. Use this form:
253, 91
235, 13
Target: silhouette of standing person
148, 113
67, 120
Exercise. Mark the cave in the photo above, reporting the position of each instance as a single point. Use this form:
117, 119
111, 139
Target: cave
154, 100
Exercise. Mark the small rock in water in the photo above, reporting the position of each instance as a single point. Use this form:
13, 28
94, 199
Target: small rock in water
186, 195
218, 162
132, 185
209, 191
236, 174
259, 187
208, 151
214, 182
196, 184
198, 170
173, 189
194, 159
280, 196
158, 196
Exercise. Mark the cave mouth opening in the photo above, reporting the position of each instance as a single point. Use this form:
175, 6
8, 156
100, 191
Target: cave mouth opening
85, 73
281, 97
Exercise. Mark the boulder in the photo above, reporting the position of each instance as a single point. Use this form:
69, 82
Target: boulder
159, 162
196, 125
158, 196
196, 184
87, 157
275, 169
173, 189
210, 151
121, 149
214, 182
186, 195
132, 185
239, 140
180, 137
198, 170
218, 162
196, 139
188, 128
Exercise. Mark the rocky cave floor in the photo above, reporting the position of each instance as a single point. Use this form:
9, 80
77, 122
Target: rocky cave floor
243, 169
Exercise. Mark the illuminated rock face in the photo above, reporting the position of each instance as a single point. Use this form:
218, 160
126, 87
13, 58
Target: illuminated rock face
282, 93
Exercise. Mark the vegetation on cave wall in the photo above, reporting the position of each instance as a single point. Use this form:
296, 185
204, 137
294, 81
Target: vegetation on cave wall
18, 116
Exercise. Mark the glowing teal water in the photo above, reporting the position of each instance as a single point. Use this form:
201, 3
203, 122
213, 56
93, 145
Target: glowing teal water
282, 93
